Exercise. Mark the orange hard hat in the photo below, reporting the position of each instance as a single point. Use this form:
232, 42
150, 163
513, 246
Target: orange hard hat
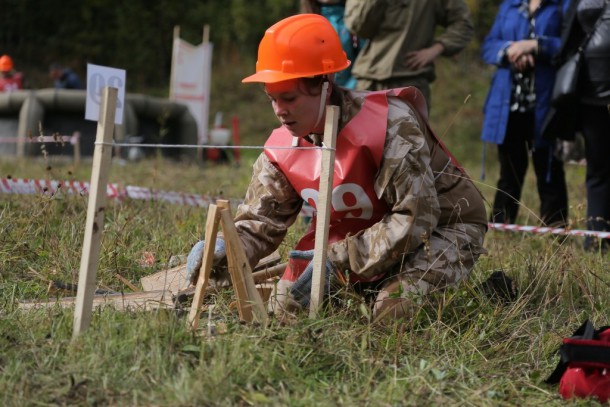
300, 46
6, 63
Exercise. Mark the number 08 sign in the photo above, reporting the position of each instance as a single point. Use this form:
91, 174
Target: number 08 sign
99, 77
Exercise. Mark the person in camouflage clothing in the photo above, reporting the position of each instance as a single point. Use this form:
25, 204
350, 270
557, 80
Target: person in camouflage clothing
405, 218
405, 38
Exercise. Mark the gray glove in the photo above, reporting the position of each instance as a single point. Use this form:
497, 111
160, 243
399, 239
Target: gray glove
195, 257
301, 289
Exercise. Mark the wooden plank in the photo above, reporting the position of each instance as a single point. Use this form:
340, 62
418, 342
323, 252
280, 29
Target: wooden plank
127, 282
249, 300
323, 209
125, 301
94, 225
174, 279
269, 273
268, 261
211, 230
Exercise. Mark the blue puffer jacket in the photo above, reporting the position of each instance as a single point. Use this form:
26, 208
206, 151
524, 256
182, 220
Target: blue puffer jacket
512, 24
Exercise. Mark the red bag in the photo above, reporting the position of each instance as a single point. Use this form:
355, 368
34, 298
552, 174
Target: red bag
584, 367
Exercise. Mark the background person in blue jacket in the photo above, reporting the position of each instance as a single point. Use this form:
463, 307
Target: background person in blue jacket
522, 42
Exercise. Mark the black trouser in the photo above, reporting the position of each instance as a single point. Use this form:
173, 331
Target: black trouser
595, 125
514, 159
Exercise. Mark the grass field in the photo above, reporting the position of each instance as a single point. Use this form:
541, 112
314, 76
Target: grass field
462, 348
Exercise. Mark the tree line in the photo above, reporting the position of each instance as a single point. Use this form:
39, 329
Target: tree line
136, 35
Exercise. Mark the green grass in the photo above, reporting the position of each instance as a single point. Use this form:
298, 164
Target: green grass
461, 348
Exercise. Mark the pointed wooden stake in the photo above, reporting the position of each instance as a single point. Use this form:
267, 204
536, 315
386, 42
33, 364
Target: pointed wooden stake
249, 300
323, 210
211, 230
95, 212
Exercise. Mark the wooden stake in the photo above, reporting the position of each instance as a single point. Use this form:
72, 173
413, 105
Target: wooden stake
206, 34
172, 80
127, 282
211, 231
323, 209
205, 42
269, 273
95, 212
76, 147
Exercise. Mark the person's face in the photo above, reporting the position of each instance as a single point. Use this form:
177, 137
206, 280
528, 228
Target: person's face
295, 108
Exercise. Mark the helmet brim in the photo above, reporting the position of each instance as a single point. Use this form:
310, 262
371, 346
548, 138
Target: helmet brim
270, 76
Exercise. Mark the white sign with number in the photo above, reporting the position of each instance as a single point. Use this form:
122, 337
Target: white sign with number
99, 77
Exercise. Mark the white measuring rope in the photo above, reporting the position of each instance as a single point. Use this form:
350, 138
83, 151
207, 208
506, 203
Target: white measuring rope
204, 146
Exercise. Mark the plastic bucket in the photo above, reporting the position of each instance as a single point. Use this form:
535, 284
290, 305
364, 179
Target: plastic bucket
220, 137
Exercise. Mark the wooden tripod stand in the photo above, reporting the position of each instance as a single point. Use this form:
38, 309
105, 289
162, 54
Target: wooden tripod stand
249, 302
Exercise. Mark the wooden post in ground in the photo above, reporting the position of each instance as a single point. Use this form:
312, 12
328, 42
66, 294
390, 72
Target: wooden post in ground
236, 141
76, 147
172, 74
211, 231
95, 212
205, 41
323, 210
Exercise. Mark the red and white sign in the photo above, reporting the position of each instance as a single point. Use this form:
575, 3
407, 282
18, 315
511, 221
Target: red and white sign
190, 81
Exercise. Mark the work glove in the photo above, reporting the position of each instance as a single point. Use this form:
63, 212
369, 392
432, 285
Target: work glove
195, 258
301, 289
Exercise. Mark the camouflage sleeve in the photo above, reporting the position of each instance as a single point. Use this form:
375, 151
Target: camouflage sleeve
270, 207
459, 28
362, 17
405, 181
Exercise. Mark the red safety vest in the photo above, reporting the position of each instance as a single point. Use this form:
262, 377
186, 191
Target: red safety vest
359, 149
12, 82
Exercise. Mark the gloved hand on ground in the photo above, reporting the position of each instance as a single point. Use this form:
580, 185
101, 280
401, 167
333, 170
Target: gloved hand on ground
195, 257
301, 289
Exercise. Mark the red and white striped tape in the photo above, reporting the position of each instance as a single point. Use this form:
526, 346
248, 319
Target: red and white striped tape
43, 139
26, 186
181, 198
546, 229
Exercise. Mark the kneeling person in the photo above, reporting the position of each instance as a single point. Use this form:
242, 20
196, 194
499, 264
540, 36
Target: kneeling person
405, 218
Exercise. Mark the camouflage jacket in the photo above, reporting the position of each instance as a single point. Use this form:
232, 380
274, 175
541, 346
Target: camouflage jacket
396, 27
419, 183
